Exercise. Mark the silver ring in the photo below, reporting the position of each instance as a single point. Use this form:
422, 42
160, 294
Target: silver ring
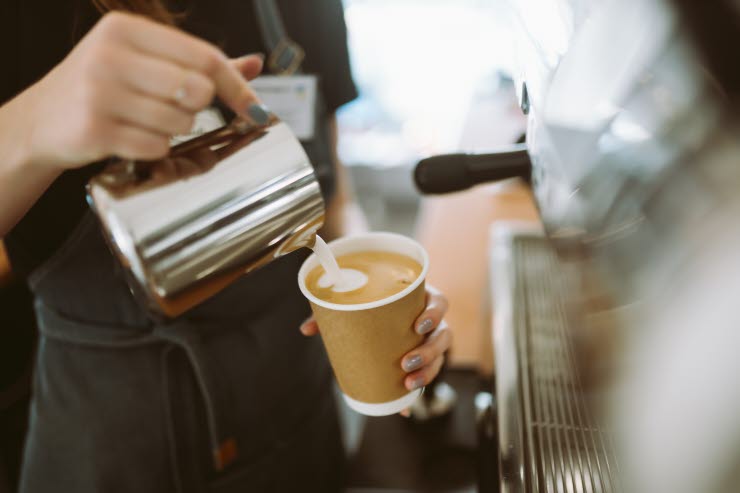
180, 95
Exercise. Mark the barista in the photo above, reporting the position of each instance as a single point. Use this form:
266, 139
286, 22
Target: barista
230, 396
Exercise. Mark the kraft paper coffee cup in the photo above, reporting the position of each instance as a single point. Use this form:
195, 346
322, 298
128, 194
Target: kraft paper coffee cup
365, 342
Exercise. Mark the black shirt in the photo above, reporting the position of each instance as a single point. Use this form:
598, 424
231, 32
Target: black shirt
40, 33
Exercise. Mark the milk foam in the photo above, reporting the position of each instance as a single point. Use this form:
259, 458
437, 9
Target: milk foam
341, 280
351, 279
327, 261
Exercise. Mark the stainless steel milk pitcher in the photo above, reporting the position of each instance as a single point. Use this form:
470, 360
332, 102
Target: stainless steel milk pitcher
220, 205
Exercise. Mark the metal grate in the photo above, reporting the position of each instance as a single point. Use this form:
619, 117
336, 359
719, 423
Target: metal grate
565, 450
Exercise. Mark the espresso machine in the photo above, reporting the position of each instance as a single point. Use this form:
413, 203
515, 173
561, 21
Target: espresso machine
617, 325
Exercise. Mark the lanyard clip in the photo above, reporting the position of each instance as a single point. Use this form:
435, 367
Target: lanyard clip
286, 58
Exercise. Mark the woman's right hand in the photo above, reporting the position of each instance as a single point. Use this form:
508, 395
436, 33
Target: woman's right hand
126, 88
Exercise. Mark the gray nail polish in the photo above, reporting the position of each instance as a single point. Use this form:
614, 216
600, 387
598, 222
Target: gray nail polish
425, 326
259, 114
417, 383
412, 363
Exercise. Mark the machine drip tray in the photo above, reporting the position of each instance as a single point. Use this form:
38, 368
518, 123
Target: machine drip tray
557, 446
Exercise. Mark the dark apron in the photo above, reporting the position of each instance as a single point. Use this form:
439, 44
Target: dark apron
228, 397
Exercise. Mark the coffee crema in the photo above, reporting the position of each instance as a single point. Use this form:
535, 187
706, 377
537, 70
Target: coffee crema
387, 274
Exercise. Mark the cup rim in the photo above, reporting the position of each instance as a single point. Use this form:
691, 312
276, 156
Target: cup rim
303, 272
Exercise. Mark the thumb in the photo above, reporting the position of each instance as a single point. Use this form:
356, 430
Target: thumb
250, 66
309, 327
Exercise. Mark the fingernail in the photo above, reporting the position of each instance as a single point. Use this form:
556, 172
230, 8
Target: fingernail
259, 114
412, 363
258, 54
425, 326
416, 383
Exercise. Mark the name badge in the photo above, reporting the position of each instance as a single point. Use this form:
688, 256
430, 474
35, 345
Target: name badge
292, 99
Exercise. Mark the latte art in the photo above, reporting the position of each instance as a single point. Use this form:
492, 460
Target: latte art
350, 279
366, 277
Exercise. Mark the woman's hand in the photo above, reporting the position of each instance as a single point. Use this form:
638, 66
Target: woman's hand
126, 88
423, 362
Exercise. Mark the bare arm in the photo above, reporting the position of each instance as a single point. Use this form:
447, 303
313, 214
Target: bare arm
123, 91
343, 216
22, 181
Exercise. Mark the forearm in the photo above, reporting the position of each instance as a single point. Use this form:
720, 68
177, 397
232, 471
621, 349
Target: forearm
343, 216
22, 178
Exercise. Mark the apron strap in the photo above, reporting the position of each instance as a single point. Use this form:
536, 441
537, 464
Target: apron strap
180, 333
284, 56
214, 390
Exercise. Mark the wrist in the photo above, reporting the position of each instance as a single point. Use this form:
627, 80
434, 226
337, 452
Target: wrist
27, 155
23, 177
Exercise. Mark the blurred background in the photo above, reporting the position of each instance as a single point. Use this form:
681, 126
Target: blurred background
432, 76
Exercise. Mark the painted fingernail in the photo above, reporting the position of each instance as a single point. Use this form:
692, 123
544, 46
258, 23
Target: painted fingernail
425, 326
257, 54
416, 383
412, 363
259, 114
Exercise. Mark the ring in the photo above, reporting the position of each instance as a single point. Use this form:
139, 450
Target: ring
181, 94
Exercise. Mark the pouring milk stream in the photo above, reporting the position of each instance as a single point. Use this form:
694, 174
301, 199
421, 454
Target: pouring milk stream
342, 280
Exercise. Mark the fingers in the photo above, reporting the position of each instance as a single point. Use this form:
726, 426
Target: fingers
129, 85
433, 313
163, 81
309, 327
250, 66
151, 114
195, 54
236, 93
167, 81
424, 376
135, 143
423, 362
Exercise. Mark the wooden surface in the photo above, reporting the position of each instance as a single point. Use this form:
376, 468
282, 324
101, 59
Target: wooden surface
455, 231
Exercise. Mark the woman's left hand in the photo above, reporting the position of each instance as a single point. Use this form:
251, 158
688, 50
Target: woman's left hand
424, 361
